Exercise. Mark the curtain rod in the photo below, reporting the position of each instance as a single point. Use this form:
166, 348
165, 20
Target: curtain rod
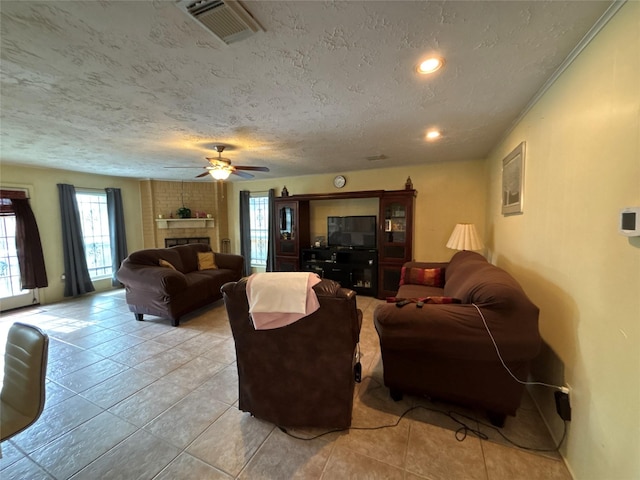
89, 189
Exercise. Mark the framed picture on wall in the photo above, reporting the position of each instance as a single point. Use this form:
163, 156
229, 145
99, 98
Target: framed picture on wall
513, 181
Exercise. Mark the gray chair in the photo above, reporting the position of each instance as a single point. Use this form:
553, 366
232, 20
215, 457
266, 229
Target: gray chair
25, 368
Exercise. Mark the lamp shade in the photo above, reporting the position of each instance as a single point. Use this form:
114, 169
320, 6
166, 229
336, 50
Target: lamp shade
465, 237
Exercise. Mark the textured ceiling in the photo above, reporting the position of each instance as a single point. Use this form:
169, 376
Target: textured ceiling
128, 87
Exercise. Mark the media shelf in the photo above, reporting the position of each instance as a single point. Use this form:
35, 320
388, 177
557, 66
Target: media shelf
356, 269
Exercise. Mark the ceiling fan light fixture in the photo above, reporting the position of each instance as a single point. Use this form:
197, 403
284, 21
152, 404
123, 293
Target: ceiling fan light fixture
430, 65
221, 173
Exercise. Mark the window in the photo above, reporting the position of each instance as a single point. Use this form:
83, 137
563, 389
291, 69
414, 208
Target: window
259, 217
94, 221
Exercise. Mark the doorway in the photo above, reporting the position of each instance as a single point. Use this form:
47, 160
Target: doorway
11, 294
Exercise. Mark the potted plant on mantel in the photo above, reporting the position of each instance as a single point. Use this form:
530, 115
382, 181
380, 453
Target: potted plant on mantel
184, 212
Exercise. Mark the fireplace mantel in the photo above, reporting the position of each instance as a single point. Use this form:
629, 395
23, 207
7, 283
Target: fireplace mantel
185, 223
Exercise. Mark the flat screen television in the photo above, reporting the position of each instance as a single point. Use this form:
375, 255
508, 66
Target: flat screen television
353, 231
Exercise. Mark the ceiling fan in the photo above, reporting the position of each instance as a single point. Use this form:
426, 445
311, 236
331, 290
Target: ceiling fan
220, 168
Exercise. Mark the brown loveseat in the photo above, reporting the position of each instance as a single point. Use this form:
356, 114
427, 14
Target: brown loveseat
300, 375
444, 350
172, 292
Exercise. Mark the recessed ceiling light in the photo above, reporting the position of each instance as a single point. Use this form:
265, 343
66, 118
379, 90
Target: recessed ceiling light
433, 134
430, 65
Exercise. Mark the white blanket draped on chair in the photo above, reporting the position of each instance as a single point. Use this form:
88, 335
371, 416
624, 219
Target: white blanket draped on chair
277, 299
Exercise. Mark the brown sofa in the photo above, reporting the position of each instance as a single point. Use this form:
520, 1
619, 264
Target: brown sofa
444, 350
301, 375
162, 291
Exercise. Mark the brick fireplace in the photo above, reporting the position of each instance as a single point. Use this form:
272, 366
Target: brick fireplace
160, 201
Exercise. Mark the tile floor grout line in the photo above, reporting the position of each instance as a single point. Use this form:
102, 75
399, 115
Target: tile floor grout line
484, 460
326, 463
246, 465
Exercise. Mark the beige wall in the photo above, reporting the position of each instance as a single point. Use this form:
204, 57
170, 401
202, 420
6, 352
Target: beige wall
448, 193
582, 167
43, 190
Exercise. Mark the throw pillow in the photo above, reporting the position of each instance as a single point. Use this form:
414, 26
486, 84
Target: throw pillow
164, 263
206, 261
431, 277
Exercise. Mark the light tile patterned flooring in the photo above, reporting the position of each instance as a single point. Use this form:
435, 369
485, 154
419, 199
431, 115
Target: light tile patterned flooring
129, 399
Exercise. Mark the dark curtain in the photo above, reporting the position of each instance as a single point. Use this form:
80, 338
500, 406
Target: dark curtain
271, 234
29, 248
117, 232
245, 230
77, 280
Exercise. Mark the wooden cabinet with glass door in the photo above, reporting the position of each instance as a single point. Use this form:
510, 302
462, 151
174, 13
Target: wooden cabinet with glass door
292, 233
395, 242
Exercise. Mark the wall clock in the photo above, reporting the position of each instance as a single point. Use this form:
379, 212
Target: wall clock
339, 181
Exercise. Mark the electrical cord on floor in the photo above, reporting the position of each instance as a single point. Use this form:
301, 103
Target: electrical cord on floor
379, 427
483, 436
460, 434
495, 345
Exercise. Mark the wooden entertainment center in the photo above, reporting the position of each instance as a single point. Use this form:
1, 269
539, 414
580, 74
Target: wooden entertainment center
374, 272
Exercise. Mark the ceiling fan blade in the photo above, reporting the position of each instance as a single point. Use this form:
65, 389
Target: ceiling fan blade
257, 169
242, 174
202, 175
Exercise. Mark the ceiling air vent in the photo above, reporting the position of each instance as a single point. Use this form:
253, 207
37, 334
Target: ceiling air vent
227, 20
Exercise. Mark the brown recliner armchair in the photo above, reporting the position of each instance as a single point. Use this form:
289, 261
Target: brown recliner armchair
300, 375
